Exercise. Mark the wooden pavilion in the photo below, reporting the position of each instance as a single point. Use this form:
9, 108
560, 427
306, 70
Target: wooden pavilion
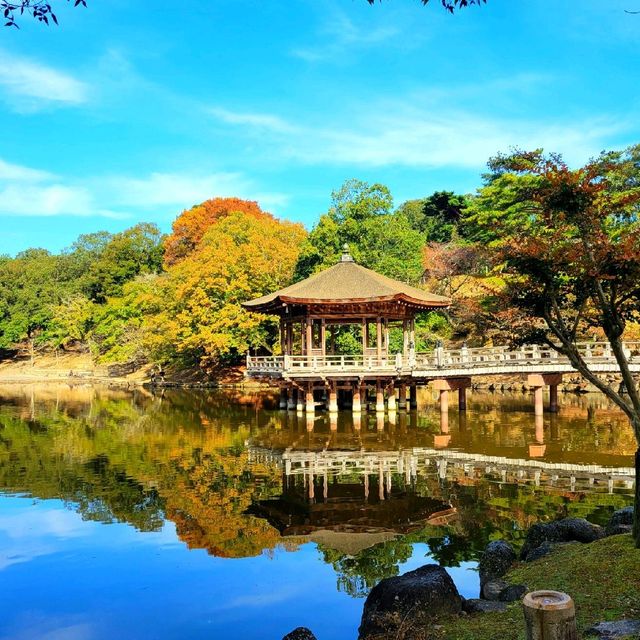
377, 313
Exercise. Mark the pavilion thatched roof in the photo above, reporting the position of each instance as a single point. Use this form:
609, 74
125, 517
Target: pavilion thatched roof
347, 282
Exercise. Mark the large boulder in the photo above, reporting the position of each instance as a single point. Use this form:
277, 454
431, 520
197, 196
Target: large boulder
476, 605
566, 530
300, 633
496, 561
621, 522
512, 593
545, 549
401, 606
491, 590
619, 630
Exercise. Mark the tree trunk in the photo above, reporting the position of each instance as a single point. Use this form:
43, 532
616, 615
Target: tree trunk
636, 504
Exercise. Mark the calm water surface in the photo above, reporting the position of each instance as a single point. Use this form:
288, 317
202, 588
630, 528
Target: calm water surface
213, 515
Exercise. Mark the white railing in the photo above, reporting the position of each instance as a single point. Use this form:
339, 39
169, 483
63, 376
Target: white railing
443, 360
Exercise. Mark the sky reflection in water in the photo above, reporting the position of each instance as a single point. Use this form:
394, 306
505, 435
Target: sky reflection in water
128, 516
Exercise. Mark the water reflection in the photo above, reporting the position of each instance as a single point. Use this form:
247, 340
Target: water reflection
236, 477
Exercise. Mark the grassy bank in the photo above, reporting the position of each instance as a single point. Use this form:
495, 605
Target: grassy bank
603, 578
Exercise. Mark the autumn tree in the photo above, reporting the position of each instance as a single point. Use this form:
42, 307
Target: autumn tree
191, 225
568, 241
242, 256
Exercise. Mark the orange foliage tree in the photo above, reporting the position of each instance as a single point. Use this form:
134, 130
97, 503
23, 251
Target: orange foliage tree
191, 225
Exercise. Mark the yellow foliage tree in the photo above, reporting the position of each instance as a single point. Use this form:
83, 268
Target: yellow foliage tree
239, 258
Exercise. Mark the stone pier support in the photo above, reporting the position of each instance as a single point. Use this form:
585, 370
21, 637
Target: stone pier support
310, 402
283, 398
379, 396
333, 397
356, 405
538, 381
292, 398
391, 399
452, 384
402, 397
413, 396
299, 400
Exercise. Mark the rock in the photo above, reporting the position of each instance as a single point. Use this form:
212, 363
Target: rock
397, 606
620, 518
545, 549
512, 593
620, 630
491, 590
300, 633
477, 605
496, 561
619, 529
566, 530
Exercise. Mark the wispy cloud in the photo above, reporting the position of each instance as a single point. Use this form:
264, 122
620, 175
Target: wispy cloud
340, 35
30, 192
428, 129
30, 85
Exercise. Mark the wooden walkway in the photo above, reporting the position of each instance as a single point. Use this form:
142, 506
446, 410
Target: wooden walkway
443, 363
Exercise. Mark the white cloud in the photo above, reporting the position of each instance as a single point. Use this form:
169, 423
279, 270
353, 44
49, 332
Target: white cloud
30, 85
25, 191
340, 35
424, 131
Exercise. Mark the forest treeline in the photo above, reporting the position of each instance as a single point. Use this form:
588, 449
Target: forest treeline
176, 298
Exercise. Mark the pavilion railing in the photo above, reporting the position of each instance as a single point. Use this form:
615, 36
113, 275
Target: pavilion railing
439, 359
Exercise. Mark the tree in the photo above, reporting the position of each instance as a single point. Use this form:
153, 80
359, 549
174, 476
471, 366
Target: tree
240, 257
361, 216
569, 244
438, 217
40, 10
191, 225
450, 5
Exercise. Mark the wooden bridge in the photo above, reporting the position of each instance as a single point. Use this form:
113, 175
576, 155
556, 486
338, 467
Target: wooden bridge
445, 363
448, 369
452, 465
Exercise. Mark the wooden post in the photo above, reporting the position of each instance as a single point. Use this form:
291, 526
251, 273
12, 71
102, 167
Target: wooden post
391, 400
379, 396
413, 396
402, 398
462, 399
553, 398
309, 334
291, 402
356, 407
405, 339
310, 402
549, 615
333, 397
379, 340
299, 401
333, 421
283, 398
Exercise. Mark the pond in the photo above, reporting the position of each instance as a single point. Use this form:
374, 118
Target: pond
197, 514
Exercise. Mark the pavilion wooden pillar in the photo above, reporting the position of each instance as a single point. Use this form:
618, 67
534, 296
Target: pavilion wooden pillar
379, 340
309, 337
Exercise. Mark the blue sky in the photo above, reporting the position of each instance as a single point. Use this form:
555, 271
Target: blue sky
125, 113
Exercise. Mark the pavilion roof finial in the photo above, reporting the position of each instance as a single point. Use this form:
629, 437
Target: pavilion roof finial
346, 256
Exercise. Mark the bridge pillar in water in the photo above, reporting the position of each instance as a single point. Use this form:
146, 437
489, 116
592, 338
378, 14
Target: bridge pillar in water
282, 404
310, 402
402, 397
333, 397
452, 384
538, 448
538, 381
391, 400
413, 396
356, 405
299, 400
379, 396
291, 398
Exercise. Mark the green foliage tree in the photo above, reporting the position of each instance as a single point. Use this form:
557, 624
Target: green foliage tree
361, 216
438, 217
568, 241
